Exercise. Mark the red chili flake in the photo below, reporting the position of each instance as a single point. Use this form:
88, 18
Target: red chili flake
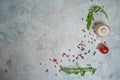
73, 60
54, 60
46, 70
83, 30
73, 55
78, 47
55, 74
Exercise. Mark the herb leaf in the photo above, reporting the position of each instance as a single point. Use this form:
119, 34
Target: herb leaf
78, 70
90, 16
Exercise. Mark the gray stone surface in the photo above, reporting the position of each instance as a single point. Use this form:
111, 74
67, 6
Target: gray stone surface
32, 31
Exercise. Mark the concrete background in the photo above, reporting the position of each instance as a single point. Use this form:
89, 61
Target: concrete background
33, 31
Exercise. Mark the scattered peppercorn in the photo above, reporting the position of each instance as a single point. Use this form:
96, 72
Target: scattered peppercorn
82, 18
88, 51
46, 70
40, 63
94, 53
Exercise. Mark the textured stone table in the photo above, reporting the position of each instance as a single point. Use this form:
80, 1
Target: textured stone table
34, 31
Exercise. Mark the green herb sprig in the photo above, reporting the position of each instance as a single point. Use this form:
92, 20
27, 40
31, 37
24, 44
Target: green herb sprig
90, 16
78, 70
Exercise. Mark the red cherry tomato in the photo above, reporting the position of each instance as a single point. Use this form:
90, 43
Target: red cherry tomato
104, 49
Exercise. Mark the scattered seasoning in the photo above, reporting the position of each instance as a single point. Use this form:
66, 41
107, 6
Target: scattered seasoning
69, 60
94, 53
78, 47
85, 53
88, 64
76, 63
73, 60
84, 45
55, 74
60, 60
46, 70
82, 49
6, 70
91, 38
55, 66
76, 58
83, 30
54, 60
91, 42
69, 50
73, 55
88, 41
88, 51
67, 55
82, 41
82, 18
63, 54
49, 59
84, 36
60, 70
94, 39
89, 33
81, 56
81, 44
40, 63
91, 0
104, 42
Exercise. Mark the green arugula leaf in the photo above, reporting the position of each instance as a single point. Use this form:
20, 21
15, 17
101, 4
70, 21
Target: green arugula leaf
90, 16
78, 70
